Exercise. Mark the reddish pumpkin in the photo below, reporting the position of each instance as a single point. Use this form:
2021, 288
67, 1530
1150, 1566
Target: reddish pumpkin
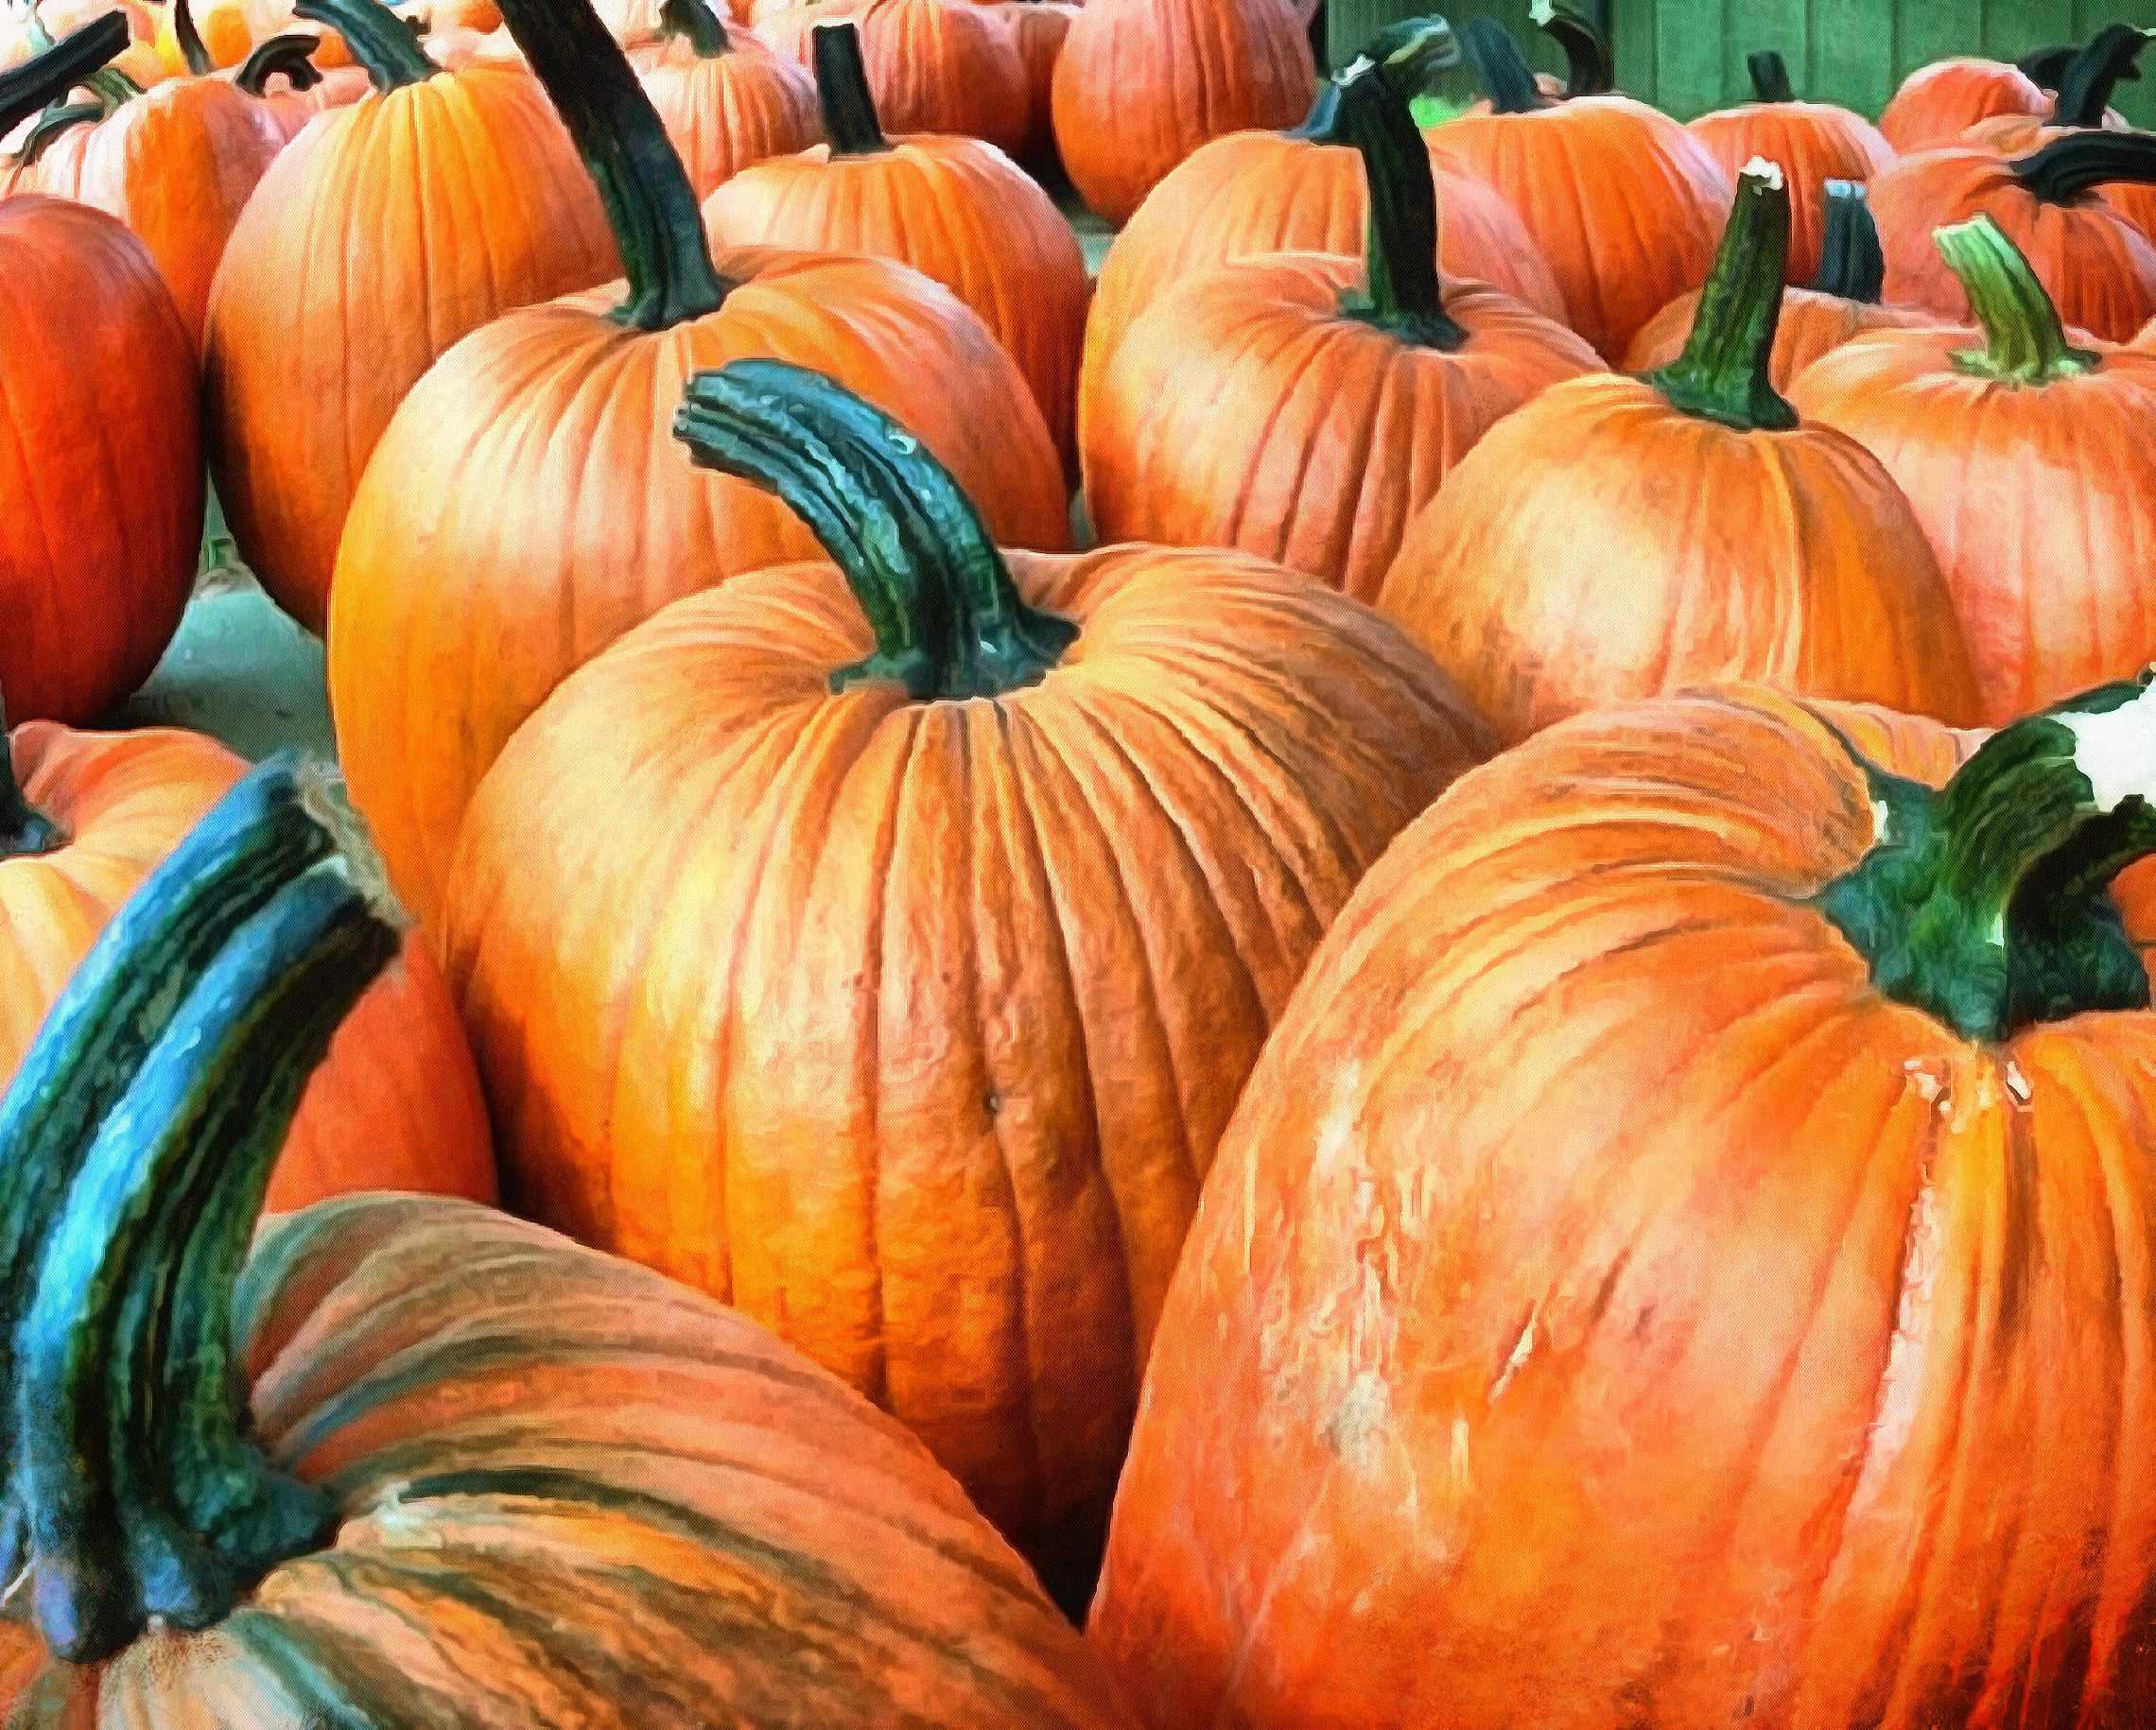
947, 67
1938, 103
726, 102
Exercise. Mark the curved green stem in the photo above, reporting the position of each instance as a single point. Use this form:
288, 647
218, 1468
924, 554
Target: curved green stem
1500, 69
51, 124
2093, 76
650, 202
2067, 167
2025, 339
1590, 68
1723, 373
193, 49
25, 830
1769, 77
386, 45
1986, 903
291, 53
48, 76
2046, 68
948, 621
696, 24
113, 88
1401, 293
1852, 263
842, 91
1409, 53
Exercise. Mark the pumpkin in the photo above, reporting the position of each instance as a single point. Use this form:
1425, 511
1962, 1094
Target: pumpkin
2084, 90
84, 819
1623, 201
2098, 267
100, 444
1699, 1181
1141, 84
1840, 302
1619, 537
428, 207
947, 67
1815, 143
1939, 102
991, 870
307, 90
1039, 27
726, 104
956, 209
1304, 408
526, 504
406, 1459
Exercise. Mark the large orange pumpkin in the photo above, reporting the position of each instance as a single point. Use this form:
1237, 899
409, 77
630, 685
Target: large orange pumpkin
1619, 537
956, 209
1940, 102
948, 66
526, 504
987, 878
1685, 1257
2086, 81
726, 104
424, 210
1623, 201
1304, 408
406, 1461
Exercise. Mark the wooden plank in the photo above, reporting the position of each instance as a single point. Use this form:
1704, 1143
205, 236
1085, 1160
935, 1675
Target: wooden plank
1688, 56
1852, 54
1935, 30
1784, 25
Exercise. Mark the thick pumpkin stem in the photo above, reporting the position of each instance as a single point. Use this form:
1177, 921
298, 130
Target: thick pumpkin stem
1409, 53
1590, 68
386, 45
2045, 67
291, 53
1723, 373
194, 51
1402, 293
1769, 77
2067, 167
948, 621
25, 830
1987, 903
47, 76
698, 25
1500, 70
842, 91
1852, 264
2093, 75
2024, 340
649, 199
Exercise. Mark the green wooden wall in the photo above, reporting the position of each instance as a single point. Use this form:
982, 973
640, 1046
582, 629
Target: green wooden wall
1687, 56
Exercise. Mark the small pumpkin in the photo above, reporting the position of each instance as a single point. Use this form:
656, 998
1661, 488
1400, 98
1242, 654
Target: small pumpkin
2084, 94
1941, 100
404, 1460
1623, 536
726, 104
1304, 408
990, 872
948, 66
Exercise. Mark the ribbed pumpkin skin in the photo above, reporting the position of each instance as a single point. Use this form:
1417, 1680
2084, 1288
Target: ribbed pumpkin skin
577, 1494
1938, 103
382, 236
933, 65
938, 1009
1607, 1308
397, 1104
1245, 411
2040, 501
1600, 544
536, 466
1624, 204
2098, 268
1039, 27
730, 109
99, 438
1141, 84
1813, 143
1812, 324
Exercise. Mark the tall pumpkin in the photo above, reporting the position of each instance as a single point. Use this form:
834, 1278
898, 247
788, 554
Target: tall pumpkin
1939, 102
1685, 1257
726, 105
1305, 408
424, 210
1618, 537
406, 1461
989, 874
956, 209
526, 504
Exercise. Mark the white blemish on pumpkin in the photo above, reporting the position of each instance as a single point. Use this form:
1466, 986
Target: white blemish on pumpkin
1462, 1466
395, 1528
2116, 751
1881, 824
2017, 1083
1522, 1349
1924, 1073
1356, 1432
1768, 174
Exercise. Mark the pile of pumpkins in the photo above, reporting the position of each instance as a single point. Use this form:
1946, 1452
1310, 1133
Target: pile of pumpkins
1388, 972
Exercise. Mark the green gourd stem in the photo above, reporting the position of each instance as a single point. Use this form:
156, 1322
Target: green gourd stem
1590, 68
2067, 167
113, 88
948, 619
2025, 339
1402, 292
649, 199
1852, 263
842, 91
1769, 77
48, 76
193, 49
1723, 373
1409, 53
1500, 70
51, 124
696, 24
2046, 68
1986, 903
25, 830
2087, 85
384, 44
291, 53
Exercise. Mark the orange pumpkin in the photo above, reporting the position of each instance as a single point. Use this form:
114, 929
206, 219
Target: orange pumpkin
726, 104
1840, 302
1618, 537
1304, 408
1623, 201
2086, 81
532, 464
424, 210
1940, 102
1008, 862
1039, 27
2098, 267
956, 209
1141, 84
949, 66
306, 91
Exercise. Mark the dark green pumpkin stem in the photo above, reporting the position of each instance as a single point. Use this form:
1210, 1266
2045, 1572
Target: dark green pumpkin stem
2046, 68
649, 199
1500, 70
382, 43
1723, 373
291, 53
1410, 54
842, 91
696, 24
1401, 291
2067, 167
1770, 77
25, 830
1590, 68
48, 76
948, 620
1986, 903
1852, 263
2024, 340
2092, 76
193, 49
51, 124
